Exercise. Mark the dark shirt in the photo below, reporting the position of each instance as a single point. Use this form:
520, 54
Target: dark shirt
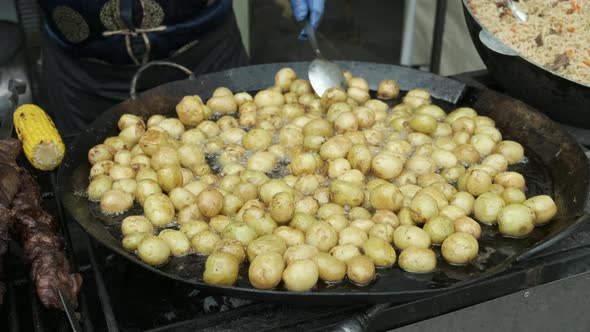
129, 31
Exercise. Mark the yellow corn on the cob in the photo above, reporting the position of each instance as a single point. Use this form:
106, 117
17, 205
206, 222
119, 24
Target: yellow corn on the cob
42, 143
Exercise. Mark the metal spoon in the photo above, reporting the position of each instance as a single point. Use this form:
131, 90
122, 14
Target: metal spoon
322, 73
522, 16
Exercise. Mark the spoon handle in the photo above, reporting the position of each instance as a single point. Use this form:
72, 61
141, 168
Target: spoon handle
313, 41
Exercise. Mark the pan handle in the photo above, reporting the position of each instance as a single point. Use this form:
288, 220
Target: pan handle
133, 87
360, 321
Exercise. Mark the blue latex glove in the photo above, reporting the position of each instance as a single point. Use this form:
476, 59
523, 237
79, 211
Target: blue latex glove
302, 9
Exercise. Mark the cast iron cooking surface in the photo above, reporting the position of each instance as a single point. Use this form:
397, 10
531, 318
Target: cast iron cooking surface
556, 166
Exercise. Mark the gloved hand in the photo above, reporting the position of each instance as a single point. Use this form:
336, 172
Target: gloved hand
302, 9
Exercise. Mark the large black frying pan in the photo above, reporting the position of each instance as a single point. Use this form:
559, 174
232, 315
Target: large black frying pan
557, 167
563, 99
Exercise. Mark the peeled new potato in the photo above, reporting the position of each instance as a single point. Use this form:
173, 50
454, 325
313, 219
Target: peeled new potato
544, 208
411, 236
221, 269
231, 247
301, 275
460, 248
264, 244
177, 242
439, 228
379, 251
136, 224
266, 270
516, 220
360, 270
115, 201
158, 209
417, 260
322, 236
330, 269
153, 250
486, 208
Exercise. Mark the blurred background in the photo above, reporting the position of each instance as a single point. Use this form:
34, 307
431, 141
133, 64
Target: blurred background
367, 30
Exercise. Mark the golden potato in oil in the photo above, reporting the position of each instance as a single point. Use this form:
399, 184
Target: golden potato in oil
264, 244
177, 242
170, 177
291, 236
190, 110
386, 197
423, 207
459, 113
464, 124
272, 187
467, 153
360, 270
379, 251
452, 212
245, 191
153, 250
282, 208
359, 213
453, 173
428, 179
460, 248
123, 157
510, 180
307, 205
307, 184
513, 151
382, 231
101, 168
388, 89
196, 187
181, 198
467, 225
332, 96
131, 242
337, 167
445, 143
221, 269
464, 200
492, 132
190, 155
352, 235
405, 217
318, 127
301, 275
128, 120
210, 202
477, 182
266, 98
262, 161
345, 193
284, 78
346, 122
189, 213
544, 208
420, 165
240, 231
158, 209
386, 165
218, 223
423, 123
115, 201
300, 252
223, 104
512, 195
257, 139
330, 269
266, 270
259, 220
231, 247
345, 252
417, 260
411, 236
335, 147
443, 158
359, 95
484, 144
321, 235
118, 172
516, 220
337, 221
155, 119
203, 243
173, 127
439, 228
365, 116
363, 224
146, 188
497, 161
487, 207
193, 227
98, 186
386, 217
132, 134
303, 163
136, 224
98, 153
193, 136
